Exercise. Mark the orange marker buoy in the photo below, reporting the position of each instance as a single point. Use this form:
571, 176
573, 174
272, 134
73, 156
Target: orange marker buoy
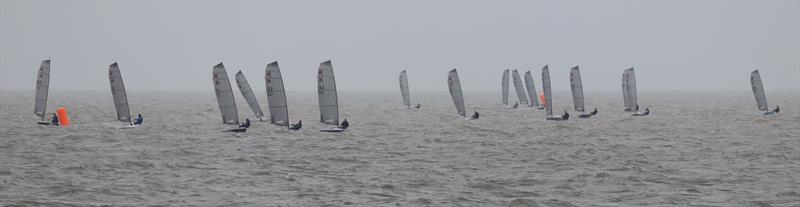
541, 97
63, 120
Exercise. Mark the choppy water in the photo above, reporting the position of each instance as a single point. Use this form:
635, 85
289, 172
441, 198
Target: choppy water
696, 149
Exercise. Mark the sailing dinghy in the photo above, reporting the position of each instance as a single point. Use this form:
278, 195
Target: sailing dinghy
577, 93
504, 88
276, 95
761, 97
404, 89
531, 88
523, 99
42, 89
247, 92
328, 99
629, 93
548, 97
454, 85
119, 95
225, 99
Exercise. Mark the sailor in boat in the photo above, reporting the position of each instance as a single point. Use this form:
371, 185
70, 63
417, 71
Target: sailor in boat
516, 104
344, 124
245, 125
773, 112
54, 120
476, 115
565, 116
139, 120
418, 105
646, 112
296, 126
588, 115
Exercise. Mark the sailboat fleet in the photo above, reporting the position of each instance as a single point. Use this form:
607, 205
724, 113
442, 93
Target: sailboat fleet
329, 101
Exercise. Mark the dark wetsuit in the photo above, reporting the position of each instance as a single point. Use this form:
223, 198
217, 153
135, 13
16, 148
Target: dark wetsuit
476, 115
417, 106
344, 124
565, 116
54, 121
594, 112
297, 126
245, 125
138, 120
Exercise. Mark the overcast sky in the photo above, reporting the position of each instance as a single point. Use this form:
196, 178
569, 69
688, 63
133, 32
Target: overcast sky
174, 45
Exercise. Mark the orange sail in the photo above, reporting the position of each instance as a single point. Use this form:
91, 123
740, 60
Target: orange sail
63, 120
541, 97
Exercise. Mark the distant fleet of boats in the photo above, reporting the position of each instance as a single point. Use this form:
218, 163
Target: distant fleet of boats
329, 102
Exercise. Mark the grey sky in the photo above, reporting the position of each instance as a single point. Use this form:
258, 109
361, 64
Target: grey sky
171, 46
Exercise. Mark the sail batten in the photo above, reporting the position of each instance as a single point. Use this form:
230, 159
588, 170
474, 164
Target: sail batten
404, 89
328, 99
247, 93
548, 96
454, 85
523, 99
531, 88
504, 87
42, 89
758, 90
224, 93
276, 95
577, 89
119, 94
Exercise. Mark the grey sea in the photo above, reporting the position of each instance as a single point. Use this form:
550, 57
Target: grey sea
697, 148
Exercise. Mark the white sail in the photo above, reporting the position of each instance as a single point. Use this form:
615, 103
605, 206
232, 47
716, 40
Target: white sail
328, 100
504, 87
276, 95
758, 90
42, 89
404, 88
631, 88
548, 96
531, 88
247, 92
625, 98
577, 88
454, 84
224, 92
519, 88
119, 94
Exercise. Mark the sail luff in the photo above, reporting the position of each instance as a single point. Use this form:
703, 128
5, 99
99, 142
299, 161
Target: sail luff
224, 93
577, 89
247, 93
328, 100
531, 88
42, 89
404, 89
758, 90
454, 85
548, 96
523, 99
625, 97
119, 94
276, 95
